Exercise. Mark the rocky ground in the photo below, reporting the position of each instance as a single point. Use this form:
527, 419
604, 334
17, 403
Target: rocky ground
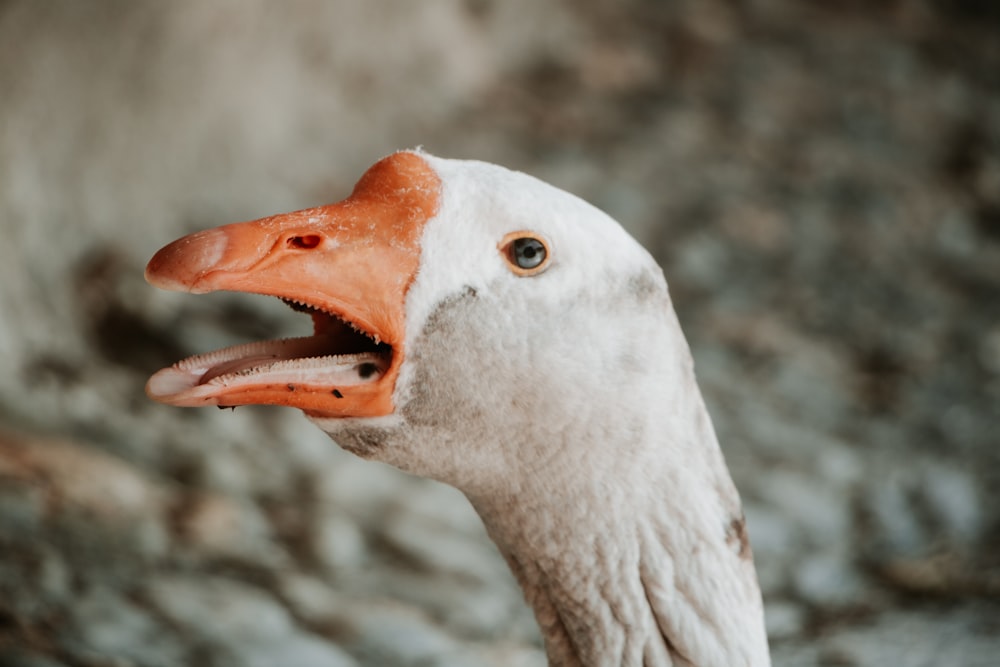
821, 182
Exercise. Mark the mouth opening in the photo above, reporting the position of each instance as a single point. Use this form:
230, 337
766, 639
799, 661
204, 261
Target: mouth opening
343, 334
338, 355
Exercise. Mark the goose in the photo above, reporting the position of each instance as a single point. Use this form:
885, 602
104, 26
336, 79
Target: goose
479, 327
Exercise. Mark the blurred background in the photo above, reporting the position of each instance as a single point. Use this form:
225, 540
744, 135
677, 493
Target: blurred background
819, 180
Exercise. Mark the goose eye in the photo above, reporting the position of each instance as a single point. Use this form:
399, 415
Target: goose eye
526, 253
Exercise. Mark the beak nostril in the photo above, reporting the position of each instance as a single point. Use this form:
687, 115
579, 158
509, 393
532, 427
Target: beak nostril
306, 242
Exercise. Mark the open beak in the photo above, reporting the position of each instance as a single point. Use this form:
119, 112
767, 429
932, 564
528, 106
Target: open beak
347, 264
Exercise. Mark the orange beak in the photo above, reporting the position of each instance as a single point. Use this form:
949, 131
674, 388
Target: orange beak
348, 264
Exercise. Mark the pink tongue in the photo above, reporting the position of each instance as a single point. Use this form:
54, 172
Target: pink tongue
237, 365
269, 352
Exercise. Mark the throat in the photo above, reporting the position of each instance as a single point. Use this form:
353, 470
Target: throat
651, 568
583, 576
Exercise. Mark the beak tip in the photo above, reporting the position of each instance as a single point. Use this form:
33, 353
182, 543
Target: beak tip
165, 280
179, 266
174, 386
164, 384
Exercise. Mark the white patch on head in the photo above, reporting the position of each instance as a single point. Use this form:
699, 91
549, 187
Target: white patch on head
480, 204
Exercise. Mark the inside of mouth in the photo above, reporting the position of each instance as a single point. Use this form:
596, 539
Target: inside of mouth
336, 355
335, 346
344, 336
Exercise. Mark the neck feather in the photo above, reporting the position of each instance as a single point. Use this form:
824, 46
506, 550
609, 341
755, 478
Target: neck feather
635, 560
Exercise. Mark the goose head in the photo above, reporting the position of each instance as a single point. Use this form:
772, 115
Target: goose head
454, 298
477, 326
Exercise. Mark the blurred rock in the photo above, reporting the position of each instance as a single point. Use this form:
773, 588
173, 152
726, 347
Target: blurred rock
912, 639
66, 472
109, 627
240, 623
23, 658
337, 543
218, 608
784, 619
830, 581
224, 527
35, 582
390, 634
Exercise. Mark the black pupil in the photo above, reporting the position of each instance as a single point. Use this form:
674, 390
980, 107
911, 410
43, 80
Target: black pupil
528, 253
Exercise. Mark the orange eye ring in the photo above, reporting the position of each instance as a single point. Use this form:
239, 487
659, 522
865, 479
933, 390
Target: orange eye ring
526, 253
